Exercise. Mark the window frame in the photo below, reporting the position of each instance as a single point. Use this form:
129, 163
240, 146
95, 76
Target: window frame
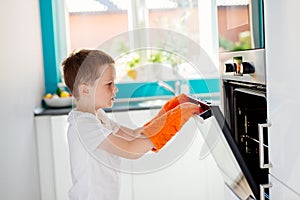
54, 41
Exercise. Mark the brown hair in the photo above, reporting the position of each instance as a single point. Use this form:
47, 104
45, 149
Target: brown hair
84, 67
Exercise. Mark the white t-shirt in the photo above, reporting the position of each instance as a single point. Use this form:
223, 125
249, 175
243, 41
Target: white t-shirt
94, 171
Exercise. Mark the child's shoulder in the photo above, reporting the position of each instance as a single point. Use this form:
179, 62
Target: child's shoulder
75, 115
76, 112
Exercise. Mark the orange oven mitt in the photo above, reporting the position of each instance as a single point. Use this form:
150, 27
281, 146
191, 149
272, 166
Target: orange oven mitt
162, 128
173, 102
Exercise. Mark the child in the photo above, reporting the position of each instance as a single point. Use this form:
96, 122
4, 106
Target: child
90, 75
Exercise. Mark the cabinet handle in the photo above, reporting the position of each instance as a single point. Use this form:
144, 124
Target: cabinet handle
262, 190
262, 163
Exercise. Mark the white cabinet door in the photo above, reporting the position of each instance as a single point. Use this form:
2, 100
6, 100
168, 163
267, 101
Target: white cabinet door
282, 43
280, 191
45, 155
53, 153
131, 119
63, 180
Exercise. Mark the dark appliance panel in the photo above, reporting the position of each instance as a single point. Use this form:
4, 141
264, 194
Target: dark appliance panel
250, 109
245, 108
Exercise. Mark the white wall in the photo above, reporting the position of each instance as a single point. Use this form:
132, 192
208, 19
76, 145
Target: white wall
21, 89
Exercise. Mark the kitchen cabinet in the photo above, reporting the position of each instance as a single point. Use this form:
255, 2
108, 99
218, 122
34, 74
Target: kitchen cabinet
53, 155
282, 44
280, 190
187, 175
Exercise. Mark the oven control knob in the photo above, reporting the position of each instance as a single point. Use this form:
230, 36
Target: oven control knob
247, 68
229, 67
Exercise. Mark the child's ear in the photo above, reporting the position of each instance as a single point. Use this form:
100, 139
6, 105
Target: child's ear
84, 89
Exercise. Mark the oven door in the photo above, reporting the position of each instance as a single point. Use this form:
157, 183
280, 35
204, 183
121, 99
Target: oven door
220, 142
250, 112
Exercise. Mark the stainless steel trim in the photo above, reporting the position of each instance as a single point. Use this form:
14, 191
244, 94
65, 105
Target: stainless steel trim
242, 84
262, 190
252, 92
256, 57
261, 146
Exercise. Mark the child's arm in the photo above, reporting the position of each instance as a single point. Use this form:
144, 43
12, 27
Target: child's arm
128, 134
130, 149
158, 132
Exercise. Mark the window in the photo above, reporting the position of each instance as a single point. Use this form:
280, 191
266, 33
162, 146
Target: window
91, 23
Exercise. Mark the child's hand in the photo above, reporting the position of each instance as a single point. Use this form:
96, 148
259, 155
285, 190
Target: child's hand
162, 128
173, 102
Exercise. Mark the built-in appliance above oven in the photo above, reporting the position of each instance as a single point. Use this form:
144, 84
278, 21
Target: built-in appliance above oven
240, 25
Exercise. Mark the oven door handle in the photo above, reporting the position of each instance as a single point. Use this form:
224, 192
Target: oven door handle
262, 163
262, 193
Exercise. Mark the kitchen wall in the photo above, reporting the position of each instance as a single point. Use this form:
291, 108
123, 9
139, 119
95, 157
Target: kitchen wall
21, 87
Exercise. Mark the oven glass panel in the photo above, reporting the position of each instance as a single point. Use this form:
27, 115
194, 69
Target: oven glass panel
250, 108
221, 144
245, 107
240, 25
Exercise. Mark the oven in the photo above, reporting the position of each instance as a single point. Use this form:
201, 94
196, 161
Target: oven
244, 108
236, 133
243, 112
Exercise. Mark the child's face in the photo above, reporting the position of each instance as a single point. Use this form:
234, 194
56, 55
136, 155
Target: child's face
105, 90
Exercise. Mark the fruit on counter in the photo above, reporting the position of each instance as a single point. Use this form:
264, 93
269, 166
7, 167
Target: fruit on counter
48, 96
64, 94
61, 91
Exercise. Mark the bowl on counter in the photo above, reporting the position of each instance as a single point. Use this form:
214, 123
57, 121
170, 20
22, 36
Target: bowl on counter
59, 102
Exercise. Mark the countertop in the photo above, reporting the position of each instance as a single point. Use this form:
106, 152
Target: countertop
120, 105
123, 105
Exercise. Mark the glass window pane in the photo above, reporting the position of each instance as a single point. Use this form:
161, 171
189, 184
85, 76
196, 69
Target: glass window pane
92, 22
98, 23
177, 15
